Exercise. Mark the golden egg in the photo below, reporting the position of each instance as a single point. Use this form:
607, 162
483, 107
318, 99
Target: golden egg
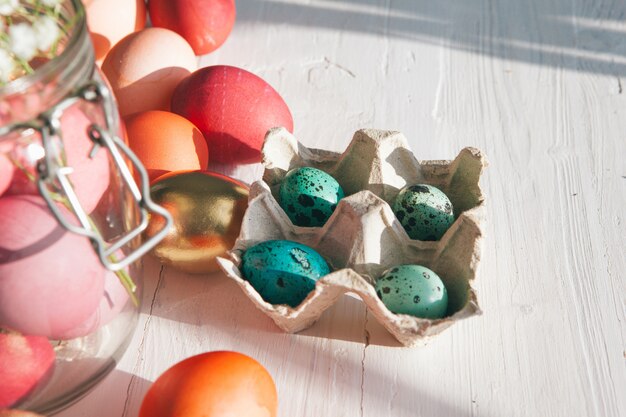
207, 209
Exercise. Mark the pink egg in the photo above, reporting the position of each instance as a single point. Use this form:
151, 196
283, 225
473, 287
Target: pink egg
112, 302
51, 280
6, 173
91, 177
145, 67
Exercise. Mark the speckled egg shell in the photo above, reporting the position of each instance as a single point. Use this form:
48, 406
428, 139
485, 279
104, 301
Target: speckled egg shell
309, 196
413, 290
424, 211
283, 272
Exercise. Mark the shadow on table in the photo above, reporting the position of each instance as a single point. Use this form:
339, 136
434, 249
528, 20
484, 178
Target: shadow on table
216, 301
580, 36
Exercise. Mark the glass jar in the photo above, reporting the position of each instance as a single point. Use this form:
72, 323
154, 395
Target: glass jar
73, 204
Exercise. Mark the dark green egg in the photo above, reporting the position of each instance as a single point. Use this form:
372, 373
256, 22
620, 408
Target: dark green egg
413, 290
424, 211
309, 196
282, 271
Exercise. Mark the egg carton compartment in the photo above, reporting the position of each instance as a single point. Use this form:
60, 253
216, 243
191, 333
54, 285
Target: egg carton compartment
363, 238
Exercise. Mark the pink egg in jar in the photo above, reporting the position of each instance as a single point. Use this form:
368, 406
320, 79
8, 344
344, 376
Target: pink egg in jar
90, 177
51, 280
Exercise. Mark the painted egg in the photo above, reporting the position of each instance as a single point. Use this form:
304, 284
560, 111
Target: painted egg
6, 173
166, 142
145, 67
309, 196
207, 209
112, 302
205, 24
424, 211
90, 177
50, 279
110, 20
25, 363
212, 384
283, 272
413, 290
233, 109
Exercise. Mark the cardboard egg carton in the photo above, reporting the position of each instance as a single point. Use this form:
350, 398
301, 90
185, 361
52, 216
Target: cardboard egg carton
363, 238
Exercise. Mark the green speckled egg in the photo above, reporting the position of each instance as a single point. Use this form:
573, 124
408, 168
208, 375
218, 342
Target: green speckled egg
424, 211
413, 290
309, 196
283, 272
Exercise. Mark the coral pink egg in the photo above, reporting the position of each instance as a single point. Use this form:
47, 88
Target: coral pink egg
205, 24
112, 302
6, 173
50, 279
25, 362
145, 67
233, 109
110, 20
90, 177
166, 142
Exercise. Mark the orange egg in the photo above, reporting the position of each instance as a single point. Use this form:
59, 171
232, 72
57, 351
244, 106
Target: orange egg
145, 67
110, 20
166, 142
214, 384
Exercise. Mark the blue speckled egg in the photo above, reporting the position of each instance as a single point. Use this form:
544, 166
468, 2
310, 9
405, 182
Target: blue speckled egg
424, 211
413, 290
309, 196
283, 272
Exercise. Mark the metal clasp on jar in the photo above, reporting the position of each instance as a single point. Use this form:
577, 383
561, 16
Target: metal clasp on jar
52, 173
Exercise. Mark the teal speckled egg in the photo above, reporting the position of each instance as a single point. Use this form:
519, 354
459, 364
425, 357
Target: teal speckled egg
424, 211
413, 290
309, 196
283, 272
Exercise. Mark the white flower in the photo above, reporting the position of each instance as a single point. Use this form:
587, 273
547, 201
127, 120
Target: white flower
51, 3
7, 7
47, 32
7, 66
23, 41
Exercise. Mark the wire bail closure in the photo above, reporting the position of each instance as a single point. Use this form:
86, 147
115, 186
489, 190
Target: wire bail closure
51, 171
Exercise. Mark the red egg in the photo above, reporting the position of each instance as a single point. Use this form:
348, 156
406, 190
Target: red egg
25, 362
90, 177
166, 142
50, 279
205, 24
233, 109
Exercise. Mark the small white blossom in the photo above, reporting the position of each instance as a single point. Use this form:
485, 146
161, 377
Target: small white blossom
47, 32
7, 66
51, 3
23, 41
7, 7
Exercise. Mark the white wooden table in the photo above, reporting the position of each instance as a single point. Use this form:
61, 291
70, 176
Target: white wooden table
538, 86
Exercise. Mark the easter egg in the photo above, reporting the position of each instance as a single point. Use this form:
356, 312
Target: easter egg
213, 384
424, 211
90, 177
413, 290
283, 272
25, 363
166, 142
110, 20
112, 301
6, 173
207, 209
205, 24
50, 279
233, 109
309, 196
145, 67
